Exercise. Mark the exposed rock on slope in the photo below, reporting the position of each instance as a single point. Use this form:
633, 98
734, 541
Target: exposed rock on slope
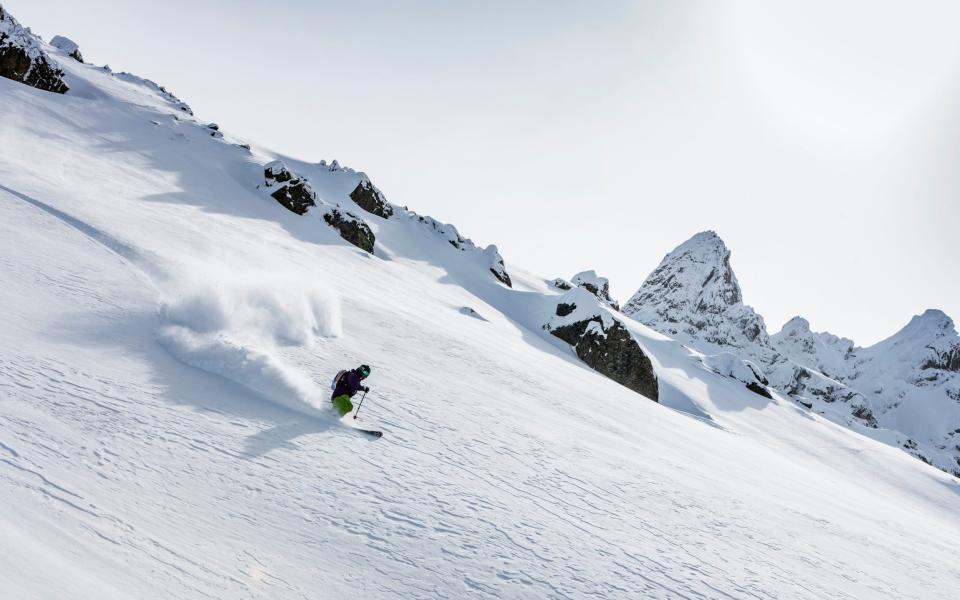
295, 194
596, 285
352, 228
370, 199
602, 342
23, 59
491, 255
496, 265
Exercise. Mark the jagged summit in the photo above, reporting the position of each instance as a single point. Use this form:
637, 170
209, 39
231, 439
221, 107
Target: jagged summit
822, 351
695, 294
797, 323
932, 322
907, 384
928, 341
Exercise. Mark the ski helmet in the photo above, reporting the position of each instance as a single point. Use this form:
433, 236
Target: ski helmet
364, 370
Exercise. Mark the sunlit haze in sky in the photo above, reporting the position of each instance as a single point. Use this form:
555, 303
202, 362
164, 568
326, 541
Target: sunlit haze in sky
819, 139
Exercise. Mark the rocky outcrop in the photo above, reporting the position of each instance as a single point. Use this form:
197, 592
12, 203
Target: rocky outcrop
596, 285
293, 192
602, 342
492, 256
23, 59
370, 199
947, 360
561, 284
352, 228
67, 46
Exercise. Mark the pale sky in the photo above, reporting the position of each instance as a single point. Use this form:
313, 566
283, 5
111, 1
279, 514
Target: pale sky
819, 139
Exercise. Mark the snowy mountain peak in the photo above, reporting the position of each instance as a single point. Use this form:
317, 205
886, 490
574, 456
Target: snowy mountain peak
703, 239
821, 351
929, 340
932, 322
795, 325
694, 294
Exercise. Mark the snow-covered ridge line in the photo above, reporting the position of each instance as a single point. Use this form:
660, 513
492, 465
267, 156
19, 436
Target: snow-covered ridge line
906, 385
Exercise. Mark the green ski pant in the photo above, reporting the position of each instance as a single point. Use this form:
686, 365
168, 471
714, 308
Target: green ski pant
342, 404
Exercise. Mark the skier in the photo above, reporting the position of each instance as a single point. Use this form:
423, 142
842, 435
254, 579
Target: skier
346, 384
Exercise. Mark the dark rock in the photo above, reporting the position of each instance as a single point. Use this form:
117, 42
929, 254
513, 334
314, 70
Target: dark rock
503, 277
561, 284
22, 59
276, 172
948, 360
294, 193
756, 388
370, 199
496, 265
602, 342
612, 352
351, 228
296, 197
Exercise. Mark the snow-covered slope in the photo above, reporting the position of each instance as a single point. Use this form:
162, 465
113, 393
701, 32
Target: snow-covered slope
170, 332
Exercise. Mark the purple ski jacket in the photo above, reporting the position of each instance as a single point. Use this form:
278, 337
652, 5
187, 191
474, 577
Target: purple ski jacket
349, 384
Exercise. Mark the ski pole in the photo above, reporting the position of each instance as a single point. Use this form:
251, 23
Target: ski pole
359, 405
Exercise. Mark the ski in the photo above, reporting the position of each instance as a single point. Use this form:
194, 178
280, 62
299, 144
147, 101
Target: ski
370, 432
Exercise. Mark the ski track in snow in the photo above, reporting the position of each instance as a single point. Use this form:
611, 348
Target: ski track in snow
507, 469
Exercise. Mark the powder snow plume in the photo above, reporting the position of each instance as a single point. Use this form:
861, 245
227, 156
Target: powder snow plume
232, 324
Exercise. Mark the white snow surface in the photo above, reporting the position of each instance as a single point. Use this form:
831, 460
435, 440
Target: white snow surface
64, 44
169, 337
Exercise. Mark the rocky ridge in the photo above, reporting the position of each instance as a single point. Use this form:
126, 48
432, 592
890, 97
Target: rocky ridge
907, 386
602, 342
23, 59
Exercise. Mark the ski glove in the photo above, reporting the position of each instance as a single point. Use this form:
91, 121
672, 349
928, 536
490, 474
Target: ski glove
365, 389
